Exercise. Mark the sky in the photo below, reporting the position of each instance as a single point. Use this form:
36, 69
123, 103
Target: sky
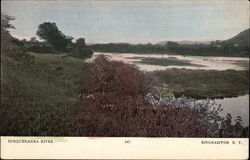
132, 21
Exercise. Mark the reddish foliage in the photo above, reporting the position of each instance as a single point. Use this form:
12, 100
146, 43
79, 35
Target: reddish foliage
115, 107
114, 77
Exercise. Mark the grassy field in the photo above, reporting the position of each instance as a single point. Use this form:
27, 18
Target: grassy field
164, 62
202, 84
39, 92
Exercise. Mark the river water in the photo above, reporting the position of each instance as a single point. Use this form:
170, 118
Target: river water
198, 62
237, 106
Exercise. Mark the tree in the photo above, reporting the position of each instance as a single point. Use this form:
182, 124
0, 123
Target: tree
6, 38
80, 49
80, 43
33, 39
5, 22
50, 33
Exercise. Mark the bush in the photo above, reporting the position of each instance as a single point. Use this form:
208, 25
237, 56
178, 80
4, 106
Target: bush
208, 111
19, 54
80, 50
115, 106
81, 53
17, 42
127, 116
40, 49
112, 77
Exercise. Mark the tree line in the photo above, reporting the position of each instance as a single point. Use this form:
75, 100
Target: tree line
213, 49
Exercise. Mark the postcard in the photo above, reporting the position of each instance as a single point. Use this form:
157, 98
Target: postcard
124, 79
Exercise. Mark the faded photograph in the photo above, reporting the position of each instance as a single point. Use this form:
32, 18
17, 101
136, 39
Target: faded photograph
125, 68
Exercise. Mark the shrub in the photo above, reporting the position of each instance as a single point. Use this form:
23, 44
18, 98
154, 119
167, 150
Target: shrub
19, 54
81, 53
17, 42
40, 49
115, 77
127, 116
115, 106
229, 129
208, 111
80, 50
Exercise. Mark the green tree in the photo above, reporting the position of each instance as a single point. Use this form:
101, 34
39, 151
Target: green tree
80, 43
50, 33
80, 49
5, 22
6, 38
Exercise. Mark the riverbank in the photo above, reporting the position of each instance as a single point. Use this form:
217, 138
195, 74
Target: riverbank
205, 83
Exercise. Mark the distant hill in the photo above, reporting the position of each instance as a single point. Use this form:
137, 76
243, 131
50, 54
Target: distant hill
184, 42
241, 39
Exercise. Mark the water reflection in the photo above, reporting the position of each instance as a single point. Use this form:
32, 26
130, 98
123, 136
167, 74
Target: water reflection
237, 106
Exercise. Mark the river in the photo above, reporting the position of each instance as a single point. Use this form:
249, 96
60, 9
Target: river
237, 106
198, 62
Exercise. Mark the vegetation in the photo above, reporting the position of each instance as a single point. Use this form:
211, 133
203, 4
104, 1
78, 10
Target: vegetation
222, 49
128, 48
80, 49
139, 105
50, 33
241, 39
5, 22
237, 46
48, 95
54, 42
203, 84
115, 106
209, 113
41, 49
164, 62
6, 38
39, 93
213, 49
60, 42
